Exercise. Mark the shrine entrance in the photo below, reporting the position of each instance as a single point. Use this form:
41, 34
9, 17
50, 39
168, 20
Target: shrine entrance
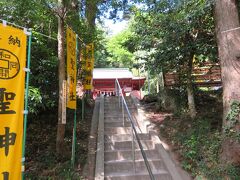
104, 81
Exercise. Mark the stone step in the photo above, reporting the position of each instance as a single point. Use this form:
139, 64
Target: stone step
125, 137
159, 175
128, 155
127, 145
118, 130
126, 166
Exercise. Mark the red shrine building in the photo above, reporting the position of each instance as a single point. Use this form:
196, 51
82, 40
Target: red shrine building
104, 81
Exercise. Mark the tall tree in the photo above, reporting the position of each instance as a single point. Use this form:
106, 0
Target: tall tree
91, 12
60, 8
61, 14
176, 32
228, 39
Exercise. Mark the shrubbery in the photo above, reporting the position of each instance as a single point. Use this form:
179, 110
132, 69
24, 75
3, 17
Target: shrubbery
198, 142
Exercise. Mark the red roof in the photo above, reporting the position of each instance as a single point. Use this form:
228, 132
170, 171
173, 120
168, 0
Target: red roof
104, 79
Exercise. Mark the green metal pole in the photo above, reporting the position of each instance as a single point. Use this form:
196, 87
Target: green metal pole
83, 106
75, 115
74, 138
26, 103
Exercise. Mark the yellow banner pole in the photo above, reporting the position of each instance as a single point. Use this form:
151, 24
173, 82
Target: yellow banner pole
26, 103
75, 116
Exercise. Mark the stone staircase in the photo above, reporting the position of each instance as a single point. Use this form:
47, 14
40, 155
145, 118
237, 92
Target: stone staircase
115, 155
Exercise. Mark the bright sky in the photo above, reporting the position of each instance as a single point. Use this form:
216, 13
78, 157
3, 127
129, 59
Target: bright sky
115, 28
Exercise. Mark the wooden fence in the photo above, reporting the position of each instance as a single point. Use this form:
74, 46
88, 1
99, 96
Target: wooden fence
208, 75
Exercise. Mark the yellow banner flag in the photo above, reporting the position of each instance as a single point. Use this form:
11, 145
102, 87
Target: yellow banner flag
12, 84
89, 65
90, 57
87, 83
71, 69
82, 61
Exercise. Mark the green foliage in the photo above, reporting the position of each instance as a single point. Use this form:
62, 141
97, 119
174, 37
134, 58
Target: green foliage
101, 53
44, 61
119, 55
199, 142
195, 142
200, 150
43, 77
40, 151
34, 100
233, 115
44, 70
67, 172
167, 32
233, 120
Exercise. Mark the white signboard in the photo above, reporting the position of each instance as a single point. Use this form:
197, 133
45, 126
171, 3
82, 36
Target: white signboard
64, 101
127, 89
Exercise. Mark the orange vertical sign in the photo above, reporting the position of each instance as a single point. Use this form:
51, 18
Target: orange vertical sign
12, 83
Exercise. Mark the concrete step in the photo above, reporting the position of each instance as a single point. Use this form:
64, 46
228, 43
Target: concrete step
126, 166
111, 105
114, 118
114, 110
159, 175
116, 105
125, 137
116, 102
118, 130
117, 124
107, 103
116, 99
127, 145
119, 120
115, 114
128, 155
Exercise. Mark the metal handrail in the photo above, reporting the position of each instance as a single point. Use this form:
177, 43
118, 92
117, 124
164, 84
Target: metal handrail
120, 94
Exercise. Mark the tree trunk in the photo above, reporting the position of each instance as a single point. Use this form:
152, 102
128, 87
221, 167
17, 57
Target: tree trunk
91, 14
228, 39
91, 9
161, 80
190, 94
61, 75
